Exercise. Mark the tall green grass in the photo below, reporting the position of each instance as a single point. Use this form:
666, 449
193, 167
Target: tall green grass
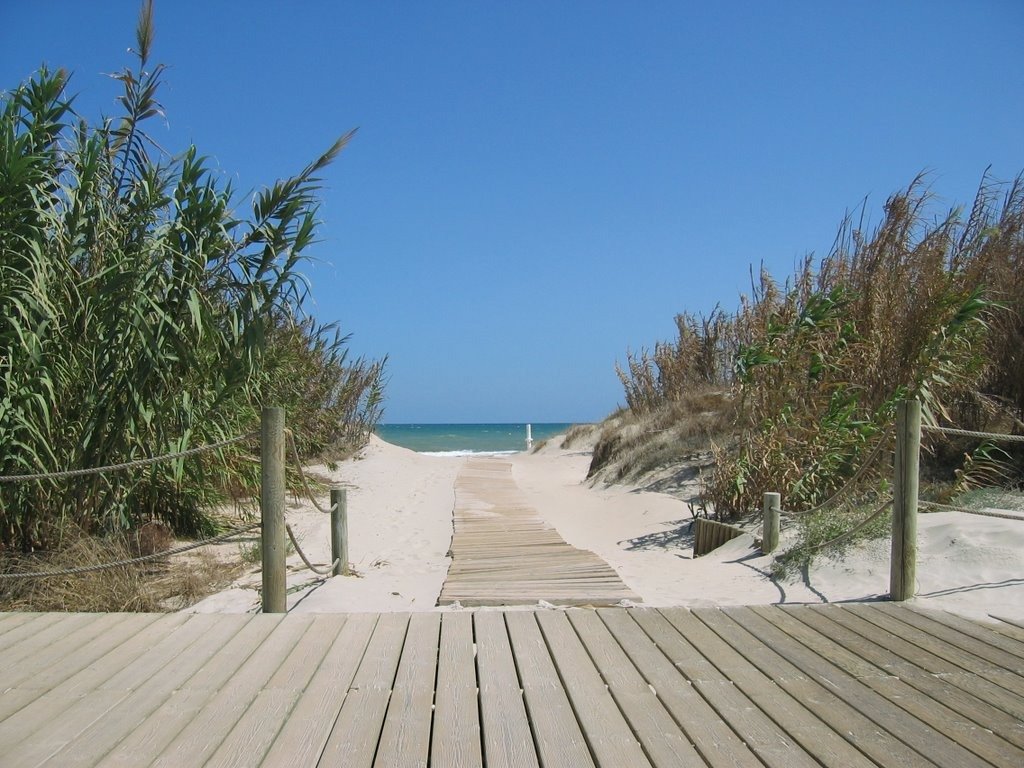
141, 313
923, 305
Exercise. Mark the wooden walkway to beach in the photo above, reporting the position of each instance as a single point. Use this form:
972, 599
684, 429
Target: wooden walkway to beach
852, 685
503, 553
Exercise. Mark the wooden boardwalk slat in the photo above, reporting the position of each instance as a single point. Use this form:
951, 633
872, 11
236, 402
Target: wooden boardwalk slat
195, 743
1010, 644
504, 553
256, 730
126, 694
934, 746
956, 658
611, 740
760, 735
405, 740
900, 649
155, 730
353, 739
505, 728
51, 690
944, 705
764, 686
717, 744
560, 741
659, 735
456, 737
302, 738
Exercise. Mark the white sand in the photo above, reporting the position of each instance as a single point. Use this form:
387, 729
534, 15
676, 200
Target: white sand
400, 506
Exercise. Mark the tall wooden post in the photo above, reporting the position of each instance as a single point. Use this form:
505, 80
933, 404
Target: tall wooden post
903, 565
339, 530
770, 526
272, 510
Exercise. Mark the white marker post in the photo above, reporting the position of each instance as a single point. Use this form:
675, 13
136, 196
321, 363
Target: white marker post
529, 436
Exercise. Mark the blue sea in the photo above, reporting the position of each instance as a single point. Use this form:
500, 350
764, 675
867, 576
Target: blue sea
465, 439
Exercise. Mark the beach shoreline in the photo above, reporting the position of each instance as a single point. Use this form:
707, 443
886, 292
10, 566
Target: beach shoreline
400, 526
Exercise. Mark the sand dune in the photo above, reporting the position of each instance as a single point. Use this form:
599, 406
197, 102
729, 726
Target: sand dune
400, 524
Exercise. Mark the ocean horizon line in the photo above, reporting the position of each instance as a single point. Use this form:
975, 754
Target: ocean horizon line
466, 438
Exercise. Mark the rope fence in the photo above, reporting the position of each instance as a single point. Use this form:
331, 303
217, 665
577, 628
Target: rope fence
848, 486
302, 475
936, 506
1002, 436
272, 435
128, 464
904, 501
329, 571
133, 560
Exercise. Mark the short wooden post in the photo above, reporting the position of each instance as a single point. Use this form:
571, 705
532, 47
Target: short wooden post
272, 510
339, 530
770, 526
903, 563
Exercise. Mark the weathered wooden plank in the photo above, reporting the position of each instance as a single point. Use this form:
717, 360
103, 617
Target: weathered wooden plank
248, 742
761, 735
800, 723
503, 553
149, 732
36, 629
661, 738
505, 728
850, 652
75, 675
984, 632
609, 736
1008, 627
960, 709
456, 735
716, 742
10, 620
826, 705
302, 738
356, 733
405, 739
147, 681
972, 638
560, 742
899, 649
957, 658
50, 641
195, 743
919, 736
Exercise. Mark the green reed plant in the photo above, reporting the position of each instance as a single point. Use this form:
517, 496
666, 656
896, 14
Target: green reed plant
921, 306
140, 313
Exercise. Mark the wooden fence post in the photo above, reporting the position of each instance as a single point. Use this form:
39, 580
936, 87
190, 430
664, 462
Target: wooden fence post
903, 563
339, 530
272, 510
770, 526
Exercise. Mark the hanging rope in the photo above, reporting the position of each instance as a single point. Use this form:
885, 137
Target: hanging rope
134, 560
302, 476
970, 433
856, 528
127, 464
295, 542
847, 486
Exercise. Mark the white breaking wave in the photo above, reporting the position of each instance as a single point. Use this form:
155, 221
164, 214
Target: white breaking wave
466, 453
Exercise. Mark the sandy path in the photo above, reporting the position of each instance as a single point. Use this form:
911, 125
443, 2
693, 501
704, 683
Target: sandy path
400, 524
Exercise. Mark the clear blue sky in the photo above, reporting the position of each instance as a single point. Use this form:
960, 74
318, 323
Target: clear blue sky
537, 186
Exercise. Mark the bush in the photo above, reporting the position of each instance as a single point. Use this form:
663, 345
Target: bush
919, 308
141, 315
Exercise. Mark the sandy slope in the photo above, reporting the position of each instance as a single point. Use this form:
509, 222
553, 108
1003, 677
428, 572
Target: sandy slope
400, 506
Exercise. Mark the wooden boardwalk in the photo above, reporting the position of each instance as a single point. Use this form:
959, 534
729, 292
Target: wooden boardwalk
852, 685
503, 553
